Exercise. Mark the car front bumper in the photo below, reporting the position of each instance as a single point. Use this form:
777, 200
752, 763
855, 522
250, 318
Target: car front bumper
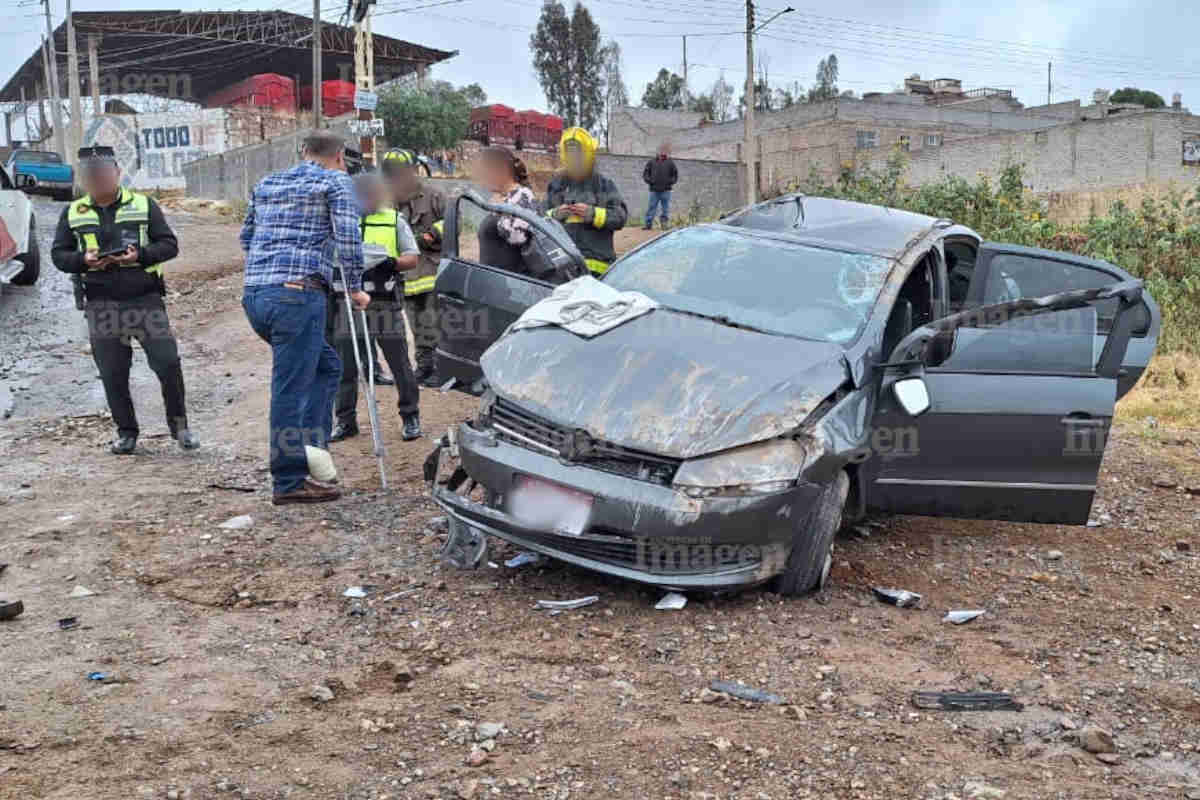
637, 530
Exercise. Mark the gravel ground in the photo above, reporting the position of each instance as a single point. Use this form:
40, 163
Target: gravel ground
233, 666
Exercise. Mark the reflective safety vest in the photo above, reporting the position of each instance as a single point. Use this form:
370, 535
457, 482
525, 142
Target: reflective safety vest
132, 221
380, 229
425, 283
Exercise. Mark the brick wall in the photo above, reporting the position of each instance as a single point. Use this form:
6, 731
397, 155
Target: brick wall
710, 186
1091, 154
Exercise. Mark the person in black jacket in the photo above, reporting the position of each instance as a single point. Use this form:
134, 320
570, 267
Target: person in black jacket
116, 240
660, 175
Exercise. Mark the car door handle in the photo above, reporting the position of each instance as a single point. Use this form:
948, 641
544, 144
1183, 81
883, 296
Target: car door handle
453, 299
1081, 419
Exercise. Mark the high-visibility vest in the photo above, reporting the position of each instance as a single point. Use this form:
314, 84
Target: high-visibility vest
132, 217
380, 228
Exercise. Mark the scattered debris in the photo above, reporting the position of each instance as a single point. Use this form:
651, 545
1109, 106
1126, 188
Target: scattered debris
1165, 482
396, 595
67, 623
1054, 555
488, 730
1095, 739
568, 605
358, 592
671, 601
743, 692
106, 677
477, 758
81, 591
320, 693
11, 609
229, 487
521, 559
238, 523
960, 617
897, 597
2, 568
983, 791
966, 701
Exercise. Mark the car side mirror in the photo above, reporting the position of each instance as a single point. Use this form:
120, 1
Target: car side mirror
912, 394
26, 181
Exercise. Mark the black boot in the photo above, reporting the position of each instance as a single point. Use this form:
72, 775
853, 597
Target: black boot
123, 445
187, 440
341, 432
383, 379
432, 380
412, 426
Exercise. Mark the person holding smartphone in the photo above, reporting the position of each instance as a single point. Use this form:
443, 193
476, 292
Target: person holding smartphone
117, 240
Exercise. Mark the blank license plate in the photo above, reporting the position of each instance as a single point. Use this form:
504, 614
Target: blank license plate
546, 506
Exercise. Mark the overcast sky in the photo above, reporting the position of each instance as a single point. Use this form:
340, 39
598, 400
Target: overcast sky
1111, 43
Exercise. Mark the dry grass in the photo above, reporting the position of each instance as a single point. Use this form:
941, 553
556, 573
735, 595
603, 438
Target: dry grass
1169, 392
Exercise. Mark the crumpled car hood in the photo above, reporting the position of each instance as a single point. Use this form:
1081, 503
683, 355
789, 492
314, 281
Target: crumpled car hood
666, 383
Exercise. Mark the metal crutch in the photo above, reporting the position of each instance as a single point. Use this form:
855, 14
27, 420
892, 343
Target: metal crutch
368, 378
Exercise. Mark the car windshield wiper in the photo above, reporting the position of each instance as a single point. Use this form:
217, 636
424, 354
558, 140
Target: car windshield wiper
732, 323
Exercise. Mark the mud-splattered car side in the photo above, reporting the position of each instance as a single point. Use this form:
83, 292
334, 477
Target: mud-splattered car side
20, 260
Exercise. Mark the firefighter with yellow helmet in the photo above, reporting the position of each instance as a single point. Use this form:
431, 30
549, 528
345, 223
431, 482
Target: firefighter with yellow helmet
588, 204
424, 208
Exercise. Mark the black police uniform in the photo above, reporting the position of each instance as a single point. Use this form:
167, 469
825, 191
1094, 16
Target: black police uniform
125, 302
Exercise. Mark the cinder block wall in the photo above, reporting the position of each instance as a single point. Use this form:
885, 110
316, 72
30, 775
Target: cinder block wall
710, 185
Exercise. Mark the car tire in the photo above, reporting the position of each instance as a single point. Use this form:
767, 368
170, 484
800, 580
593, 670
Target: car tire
32, 259
811, 559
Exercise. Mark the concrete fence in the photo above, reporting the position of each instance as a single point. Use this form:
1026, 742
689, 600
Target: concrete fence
707, 186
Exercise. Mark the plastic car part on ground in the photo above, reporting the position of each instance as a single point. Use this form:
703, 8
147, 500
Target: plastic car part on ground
671, 601
966, 701
568, 605
962, 617
11, 609
897, 597
743, 692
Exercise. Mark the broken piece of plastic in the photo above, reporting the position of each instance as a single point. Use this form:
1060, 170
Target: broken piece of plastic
960, 617
743, 692
671, 601
966, 701
67, 623
11, 609
521, 559
568, 605
358, 592
897, 597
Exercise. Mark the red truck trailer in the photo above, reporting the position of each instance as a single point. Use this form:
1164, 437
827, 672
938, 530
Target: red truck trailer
267, 90
337, 98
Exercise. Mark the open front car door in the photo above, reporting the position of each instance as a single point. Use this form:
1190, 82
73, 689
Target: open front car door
1002, 411
477, 301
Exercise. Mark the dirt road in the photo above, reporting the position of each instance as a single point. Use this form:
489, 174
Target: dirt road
231, 664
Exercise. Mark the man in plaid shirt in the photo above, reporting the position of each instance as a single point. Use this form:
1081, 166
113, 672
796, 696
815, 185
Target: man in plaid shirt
300, 224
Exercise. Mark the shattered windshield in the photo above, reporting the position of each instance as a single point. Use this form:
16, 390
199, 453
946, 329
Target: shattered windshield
775, 286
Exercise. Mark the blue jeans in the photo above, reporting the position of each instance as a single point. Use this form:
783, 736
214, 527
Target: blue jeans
659, 199
304, 375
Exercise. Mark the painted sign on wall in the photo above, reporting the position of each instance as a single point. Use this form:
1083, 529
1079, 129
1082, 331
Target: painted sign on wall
152, 148
1191, 152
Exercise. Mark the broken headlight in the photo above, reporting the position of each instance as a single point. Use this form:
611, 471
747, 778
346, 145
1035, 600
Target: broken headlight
483, 420
754, 469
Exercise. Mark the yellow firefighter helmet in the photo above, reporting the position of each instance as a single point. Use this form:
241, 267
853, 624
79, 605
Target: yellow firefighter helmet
577, 152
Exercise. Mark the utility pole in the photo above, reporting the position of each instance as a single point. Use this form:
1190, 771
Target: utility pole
316, 51
25, 112
748, 149
94, 70
686, 95
73, 92
52, 77
364, 78
1049, 64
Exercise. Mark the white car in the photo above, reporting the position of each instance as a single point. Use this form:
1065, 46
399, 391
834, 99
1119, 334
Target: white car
20, 259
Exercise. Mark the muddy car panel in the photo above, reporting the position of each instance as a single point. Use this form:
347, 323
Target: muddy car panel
1021, 442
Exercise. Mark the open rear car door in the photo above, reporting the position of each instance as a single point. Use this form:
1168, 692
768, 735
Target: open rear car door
477, 302
1002, 411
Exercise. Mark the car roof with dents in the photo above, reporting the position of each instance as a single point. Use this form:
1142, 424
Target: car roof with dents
842, 224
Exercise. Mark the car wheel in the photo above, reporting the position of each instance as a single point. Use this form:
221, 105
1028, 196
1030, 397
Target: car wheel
811, 559
32, 259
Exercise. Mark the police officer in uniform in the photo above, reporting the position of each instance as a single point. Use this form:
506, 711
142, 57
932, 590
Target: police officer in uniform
117, 240
423, 207
385, 315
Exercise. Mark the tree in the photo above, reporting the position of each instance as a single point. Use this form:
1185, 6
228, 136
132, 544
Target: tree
569, 61
425, 120
722, 100
474, 94
615, 94
827, 75
704, 104
588, 68
664, 92
551, 45
1144, 97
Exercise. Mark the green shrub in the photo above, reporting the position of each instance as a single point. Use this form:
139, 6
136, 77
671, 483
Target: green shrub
1158, 242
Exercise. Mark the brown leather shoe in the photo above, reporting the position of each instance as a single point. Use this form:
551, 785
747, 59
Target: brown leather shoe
309, 492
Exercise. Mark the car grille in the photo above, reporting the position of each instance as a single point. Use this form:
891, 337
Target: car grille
645, 555
517, 426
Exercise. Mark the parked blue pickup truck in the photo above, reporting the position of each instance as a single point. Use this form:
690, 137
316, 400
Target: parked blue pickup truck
51, 174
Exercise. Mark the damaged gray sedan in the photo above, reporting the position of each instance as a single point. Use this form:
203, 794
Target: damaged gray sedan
789, 369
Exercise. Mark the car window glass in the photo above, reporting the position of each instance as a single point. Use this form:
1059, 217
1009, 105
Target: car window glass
38, 157
960, 267
1060, 342
1013, 276
753, 280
